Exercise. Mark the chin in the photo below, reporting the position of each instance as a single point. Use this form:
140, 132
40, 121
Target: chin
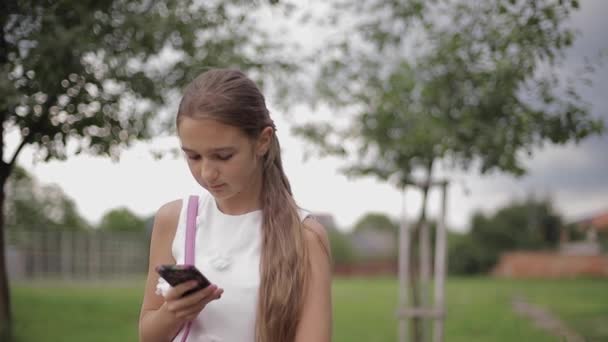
221, 195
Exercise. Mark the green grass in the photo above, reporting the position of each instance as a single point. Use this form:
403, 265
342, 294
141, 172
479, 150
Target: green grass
479, 309
581, 303
76, 312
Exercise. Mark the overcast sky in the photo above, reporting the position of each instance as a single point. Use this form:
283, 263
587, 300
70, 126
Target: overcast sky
574, 176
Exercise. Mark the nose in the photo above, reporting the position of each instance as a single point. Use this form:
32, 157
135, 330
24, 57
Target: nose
209, 172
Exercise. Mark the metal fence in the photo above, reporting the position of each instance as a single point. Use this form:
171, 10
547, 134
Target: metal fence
76, 255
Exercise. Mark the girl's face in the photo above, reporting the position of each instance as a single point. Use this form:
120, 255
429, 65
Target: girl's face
222, 158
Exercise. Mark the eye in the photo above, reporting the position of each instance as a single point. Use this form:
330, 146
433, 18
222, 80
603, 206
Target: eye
194, 157
224, 157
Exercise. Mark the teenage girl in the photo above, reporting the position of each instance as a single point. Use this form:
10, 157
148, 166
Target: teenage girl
268, 260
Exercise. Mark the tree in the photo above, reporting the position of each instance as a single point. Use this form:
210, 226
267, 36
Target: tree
122, 220
90, 76
465, 83
375, 236
341, 248
528, 225
32, 206
376, 221
463, 255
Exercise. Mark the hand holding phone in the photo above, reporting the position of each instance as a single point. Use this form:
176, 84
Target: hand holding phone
177, 274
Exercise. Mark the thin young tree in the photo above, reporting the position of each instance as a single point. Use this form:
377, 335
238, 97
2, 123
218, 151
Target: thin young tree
468, 84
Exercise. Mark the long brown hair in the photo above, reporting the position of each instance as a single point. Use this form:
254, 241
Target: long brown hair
233, 99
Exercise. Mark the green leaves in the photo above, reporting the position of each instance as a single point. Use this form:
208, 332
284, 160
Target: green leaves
97, 72
531, 225
484, 87
32, 206
376, 221
121, 220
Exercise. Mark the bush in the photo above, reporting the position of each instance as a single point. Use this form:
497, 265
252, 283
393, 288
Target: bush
341, 248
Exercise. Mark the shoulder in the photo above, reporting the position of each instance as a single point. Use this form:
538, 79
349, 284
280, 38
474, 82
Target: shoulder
167, 217
163, 233
315, 235
169, 211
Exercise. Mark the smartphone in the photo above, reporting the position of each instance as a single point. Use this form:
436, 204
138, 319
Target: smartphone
177, 274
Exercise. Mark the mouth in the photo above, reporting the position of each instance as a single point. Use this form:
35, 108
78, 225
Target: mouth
217, 187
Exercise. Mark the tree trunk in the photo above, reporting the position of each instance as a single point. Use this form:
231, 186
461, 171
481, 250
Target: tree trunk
5, 311
6, 7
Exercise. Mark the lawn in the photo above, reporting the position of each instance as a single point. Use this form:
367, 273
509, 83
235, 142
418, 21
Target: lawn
479, 309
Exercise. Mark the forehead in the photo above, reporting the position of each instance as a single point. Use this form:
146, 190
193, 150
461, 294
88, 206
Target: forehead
204, 134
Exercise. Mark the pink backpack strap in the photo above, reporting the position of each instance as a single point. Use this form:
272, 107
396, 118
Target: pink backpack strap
190, 243
191, 229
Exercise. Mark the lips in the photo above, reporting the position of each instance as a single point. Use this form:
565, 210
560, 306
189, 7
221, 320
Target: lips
216, 187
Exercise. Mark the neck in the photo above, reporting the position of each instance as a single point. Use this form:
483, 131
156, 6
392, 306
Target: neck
243, 202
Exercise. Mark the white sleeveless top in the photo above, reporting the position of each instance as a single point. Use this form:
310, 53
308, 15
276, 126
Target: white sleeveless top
227, 252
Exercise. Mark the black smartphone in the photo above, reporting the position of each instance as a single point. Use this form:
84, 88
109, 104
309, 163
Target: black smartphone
177, 274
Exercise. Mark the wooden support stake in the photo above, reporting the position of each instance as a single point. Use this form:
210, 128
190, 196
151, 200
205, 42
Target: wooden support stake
404, 260
440, 267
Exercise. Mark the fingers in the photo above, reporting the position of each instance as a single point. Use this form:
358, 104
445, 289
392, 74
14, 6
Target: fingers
188, 307
214, 295
178, 291
205, 295
190, 312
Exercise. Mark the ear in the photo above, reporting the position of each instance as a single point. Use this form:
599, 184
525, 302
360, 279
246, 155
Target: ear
264, 141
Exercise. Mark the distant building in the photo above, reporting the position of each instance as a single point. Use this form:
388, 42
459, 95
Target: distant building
592, 226
374, 243
575, 258
327, 220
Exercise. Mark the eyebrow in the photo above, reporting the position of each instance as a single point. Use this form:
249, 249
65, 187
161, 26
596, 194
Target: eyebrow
212, 150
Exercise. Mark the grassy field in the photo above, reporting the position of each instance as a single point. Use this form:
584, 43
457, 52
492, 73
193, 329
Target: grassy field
479, 309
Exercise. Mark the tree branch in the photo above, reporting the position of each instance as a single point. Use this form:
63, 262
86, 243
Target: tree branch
25, 141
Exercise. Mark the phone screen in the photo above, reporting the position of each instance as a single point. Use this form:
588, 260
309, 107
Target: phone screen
177, 274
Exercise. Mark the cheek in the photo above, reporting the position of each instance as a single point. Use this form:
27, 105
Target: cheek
242, 170
195, 171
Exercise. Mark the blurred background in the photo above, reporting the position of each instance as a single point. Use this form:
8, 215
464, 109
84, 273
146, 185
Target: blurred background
373, 101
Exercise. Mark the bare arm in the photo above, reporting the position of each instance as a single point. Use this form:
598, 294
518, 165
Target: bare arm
316, 321
156, 324
161, 318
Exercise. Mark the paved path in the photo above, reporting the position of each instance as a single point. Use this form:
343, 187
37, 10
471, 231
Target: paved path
545, 320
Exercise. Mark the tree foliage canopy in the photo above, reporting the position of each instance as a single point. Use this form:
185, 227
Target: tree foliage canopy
122, 220
33, 206
466, 82
528, 225
93, 76
98, 72
376, 221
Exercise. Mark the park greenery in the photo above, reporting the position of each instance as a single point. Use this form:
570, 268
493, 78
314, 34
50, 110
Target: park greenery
33, 206
427, 85
479, 309
530, 224
93, 76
